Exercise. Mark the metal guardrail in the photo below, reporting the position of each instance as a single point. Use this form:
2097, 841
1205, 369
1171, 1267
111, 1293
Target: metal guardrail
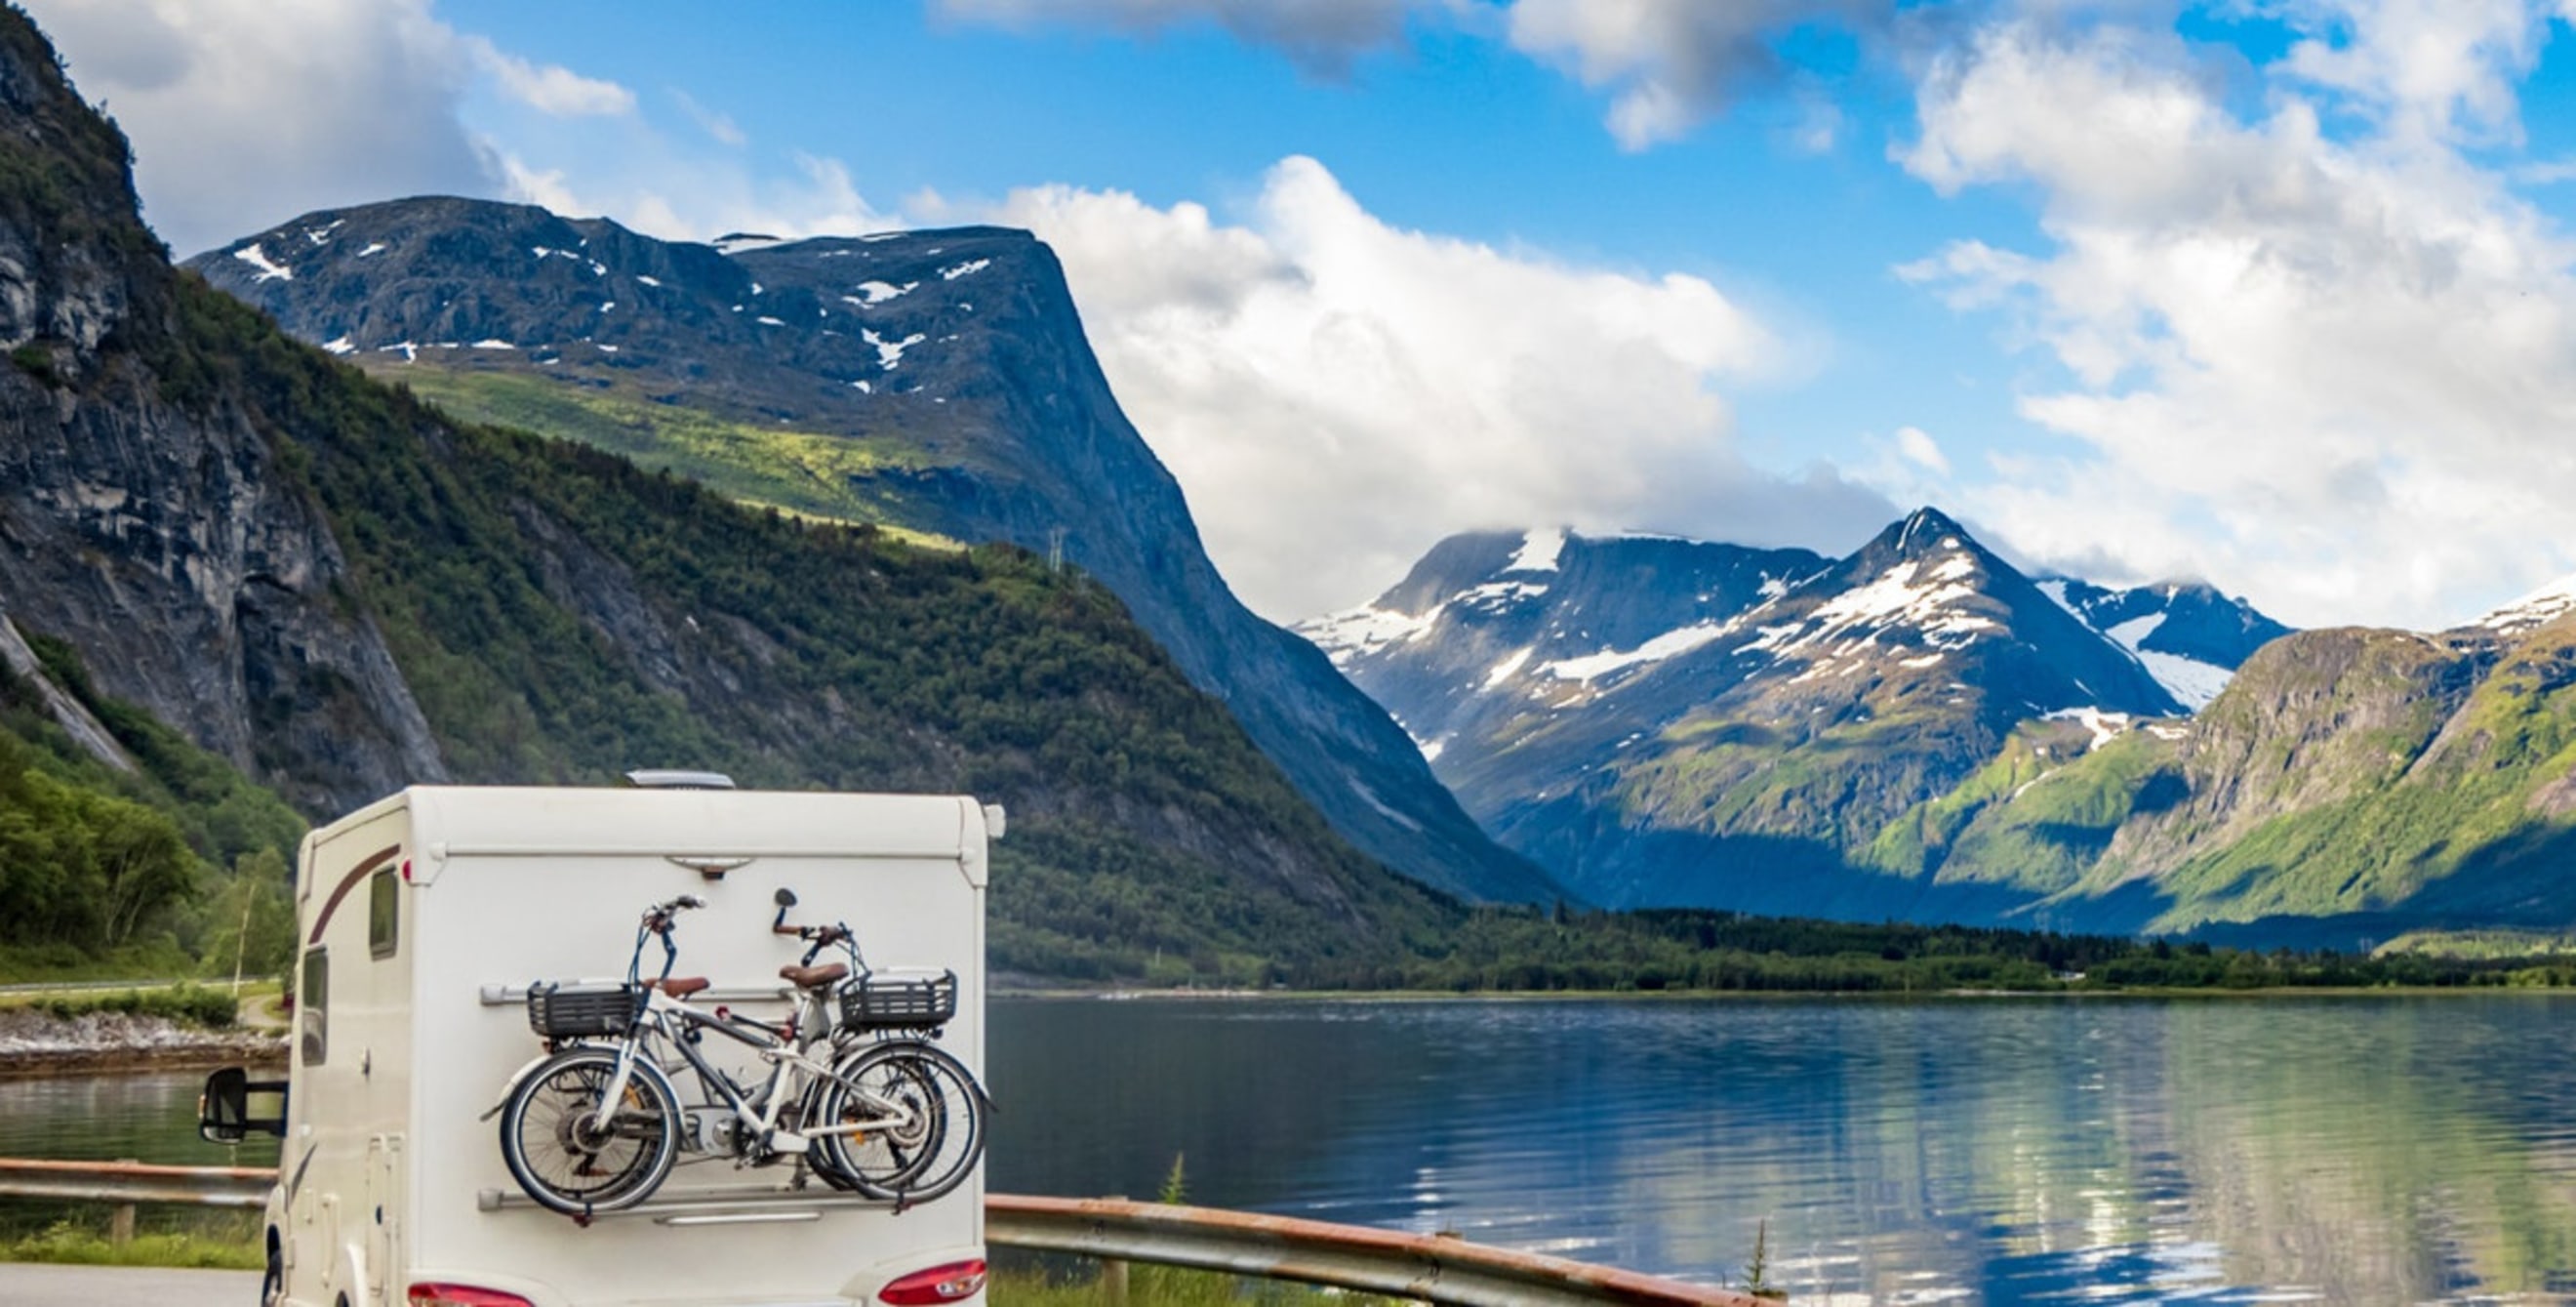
136, 1182
1431, 1268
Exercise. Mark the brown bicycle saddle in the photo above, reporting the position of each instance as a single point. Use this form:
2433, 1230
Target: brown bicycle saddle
814, 977
679, 986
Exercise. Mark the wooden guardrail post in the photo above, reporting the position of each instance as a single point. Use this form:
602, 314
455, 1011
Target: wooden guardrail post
1113, 1274
120, 1223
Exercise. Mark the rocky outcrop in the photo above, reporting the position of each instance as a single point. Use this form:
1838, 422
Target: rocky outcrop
143, 518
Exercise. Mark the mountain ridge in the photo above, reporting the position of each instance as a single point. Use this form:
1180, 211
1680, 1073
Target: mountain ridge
937, 381
1768, 730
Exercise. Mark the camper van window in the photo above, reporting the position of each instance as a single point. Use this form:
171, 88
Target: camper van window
384, 899
313, 1006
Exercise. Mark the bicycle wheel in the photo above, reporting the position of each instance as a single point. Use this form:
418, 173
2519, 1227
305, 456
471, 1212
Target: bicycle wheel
907, 1121
818, 1155
571, 1156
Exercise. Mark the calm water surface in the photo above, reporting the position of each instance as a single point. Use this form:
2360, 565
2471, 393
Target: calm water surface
2338, 1150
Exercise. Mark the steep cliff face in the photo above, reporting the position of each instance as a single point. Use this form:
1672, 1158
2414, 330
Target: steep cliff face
142, 516
937, 381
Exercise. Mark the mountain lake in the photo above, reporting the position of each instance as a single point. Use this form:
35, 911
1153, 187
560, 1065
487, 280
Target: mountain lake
2337, 1149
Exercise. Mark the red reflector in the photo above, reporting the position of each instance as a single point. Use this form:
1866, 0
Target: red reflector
406, 871
462, 1295
939, 1284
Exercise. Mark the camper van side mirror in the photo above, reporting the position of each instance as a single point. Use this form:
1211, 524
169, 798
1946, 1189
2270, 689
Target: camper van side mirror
785, 897
224, 1112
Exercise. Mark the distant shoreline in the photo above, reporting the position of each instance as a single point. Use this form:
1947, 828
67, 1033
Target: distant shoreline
1117, 994
35, 1043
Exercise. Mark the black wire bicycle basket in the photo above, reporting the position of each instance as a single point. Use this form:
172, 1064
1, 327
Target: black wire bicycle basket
559, 1011
876, 1001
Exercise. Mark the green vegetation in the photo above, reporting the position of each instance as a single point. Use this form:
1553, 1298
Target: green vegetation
191, 1005
228, 1242
1524, 950
829, 476
178, 867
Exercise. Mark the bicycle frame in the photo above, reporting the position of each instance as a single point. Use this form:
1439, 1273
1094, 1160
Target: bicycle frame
757, 1108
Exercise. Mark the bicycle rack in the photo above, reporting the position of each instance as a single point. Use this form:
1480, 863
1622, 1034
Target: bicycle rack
727, 1205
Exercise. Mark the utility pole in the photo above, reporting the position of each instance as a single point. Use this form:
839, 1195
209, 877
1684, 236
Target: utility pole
1055, 549
241, 946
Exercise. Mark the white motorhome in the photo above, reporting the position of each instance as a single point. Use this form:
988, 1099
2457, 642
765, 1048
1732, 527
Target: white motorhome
424, 918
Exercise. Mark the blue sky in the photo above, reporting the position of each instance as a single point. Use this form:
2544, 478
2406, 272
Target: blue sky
2278, 292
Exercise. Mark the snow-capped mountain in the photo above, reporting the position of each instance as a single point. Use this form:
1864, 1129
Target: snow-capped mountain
2532, 611
1487, 622
2190, 636
1674, 721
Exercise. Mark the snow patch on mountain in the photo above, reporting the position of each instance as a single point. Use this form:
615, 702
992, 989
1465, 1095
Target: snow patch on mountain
2105, 726
890, 352
1355, 632
1498, 596
1671, 644
1908, 594
1508, 667
1538, 552
269, 269
2189, 680
2532, 611
878, 292
2134, 632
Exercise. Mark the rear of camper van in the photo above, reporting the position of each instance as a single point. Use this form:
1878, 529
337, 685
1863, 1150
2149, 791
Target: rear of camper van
425, 918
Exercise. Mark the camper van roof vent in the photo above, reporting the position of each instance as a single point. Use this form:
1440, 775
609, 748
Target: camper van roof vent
679, 780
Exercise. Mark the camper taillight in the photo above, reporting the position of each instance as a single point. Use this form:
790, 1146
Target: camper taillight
939, 1284
462, 1295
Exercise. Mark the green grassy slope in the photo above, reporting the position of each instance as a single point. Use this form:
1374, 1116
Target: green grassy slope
818, 474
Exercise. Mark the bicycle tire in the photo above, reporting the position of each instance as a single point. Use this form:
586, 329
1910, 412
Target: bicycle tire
550, 1140
818, 1156
930, 1154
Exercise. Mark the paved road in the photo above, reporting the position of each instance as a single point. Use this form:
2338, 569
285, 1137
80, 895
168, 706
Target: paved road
27, 1285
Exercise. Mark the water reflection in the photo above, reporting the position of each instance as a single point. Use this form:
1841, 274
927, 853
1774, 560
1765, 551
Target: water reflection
2336, 1150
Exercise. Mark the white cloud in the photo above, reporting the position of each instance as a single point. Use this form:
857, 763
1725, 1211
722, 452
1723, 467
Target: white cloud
1335, 394
2329, 371
2434, 69
719, 126
551, 89
1672, 63
1323, 36
675, 196
245, 112
1920, 449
